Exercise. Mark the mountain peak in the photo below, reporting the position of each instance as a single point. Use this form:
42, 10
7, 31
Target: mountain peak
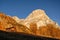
38, 10
37, 23
36, 13
39, 16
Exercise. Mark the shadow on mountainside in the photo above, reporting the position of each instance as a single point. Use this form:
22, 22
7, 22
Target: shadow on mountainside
21, 36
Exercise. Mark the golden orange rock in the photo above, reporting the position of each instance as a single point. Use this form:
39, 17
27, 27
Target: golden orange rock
37, 23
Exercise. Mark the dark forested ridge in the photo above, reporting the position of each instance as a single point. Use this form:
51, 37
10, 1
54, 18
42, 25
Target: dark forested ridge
21, 36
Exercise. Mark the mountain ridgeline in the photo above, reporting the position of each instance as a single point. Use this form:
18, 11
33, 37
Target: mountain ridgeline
37, 23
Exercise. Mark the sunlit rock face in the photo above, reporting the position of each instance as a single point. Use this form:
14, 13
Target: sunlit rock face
39, 17
8, 24
36, 23
18, 20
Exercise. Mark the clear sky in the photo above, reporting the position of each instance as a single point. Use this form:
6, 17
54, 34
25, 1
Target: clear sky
22, 8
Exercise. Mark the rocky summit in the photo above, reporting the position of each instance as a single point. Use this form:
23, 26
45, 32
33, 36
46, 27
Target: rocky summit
36, 23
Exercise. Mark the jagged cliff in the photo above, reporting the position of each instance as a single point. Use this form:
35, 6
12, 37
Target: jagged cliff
10, 25
37, 23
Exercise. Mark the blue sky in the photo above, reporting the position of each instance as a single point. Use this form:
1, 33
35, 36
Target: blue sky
22, 8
